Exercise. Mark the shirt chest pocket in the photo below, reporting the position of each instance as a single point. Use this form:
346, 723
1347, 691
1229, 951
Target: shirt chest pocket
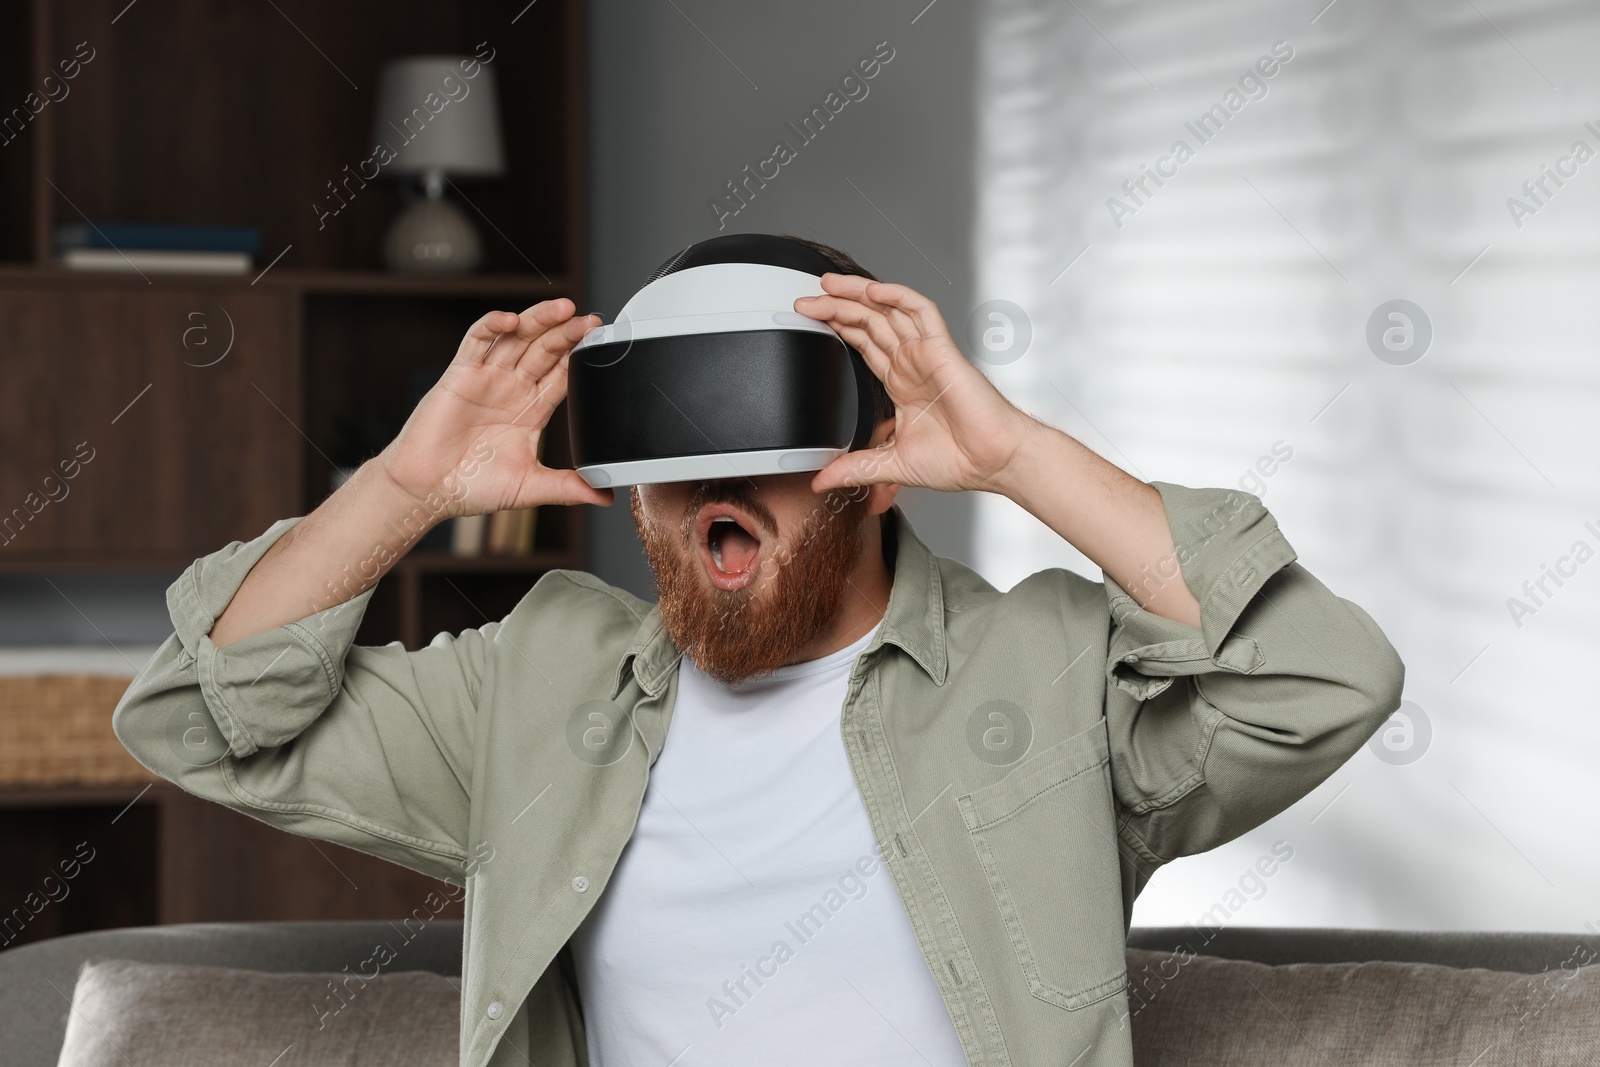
1046, 838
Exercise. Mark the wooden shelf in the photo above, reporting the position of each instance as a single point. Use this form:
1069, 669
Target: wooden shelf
163, 856
371, 283
536, 287
430, 591
35, 796
54, 277
199, 113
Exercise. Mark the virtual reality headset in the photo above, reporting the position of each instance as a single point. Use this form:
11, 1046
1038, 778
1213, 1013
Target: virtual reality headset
708, 372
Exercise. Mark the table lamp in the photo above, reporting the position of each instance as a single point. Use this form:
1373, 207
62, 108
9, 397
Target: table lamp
439, 122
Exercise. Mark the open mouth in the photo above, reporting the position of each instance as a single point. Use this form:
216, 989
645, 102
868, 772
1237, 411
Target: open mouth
729, 545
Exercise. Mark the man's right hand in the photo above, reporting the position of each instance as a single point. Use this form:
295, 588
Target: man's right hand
471, 447
473, 441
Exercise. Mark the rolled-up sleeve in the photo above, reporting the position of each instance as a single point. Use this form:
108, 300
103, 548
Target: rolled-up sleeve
1214, 729
367, 746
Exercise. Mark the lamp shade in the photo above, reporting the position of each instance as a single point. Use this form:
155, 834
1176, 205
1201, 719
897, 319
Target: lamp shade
437, 119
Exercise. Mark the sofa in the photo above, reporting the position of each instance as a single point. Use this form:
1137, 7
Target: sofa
1420, 969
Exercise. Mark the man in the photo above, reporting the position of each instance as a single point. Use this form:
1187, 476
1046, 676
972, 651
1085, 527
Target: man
833, 799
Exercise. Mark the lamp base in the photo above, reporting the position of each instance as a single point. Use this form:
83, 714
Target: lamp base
432, 236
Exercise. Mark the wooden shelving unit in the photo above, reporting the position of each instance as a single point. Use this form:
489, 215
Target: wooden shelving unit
194, 112
159, 855
279, 279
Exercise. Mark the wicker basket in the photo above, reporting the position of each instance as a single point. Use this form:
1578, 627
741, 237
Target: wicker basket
55, 729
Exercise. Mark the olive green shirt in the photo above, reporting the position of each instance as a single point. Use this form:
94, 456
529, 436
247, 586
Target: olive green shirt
1027, 759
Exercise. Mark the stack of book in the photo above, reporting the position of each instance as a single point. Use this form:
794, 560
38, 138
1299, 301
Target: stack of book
156, 247
502, 533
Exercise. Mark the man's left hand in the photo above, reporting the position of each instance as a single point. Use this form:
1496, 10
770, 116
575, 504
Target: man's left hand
953, 430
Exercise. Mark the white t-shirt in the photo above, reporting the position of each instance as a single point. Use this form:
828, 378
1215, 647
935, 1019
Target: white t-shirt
751, 919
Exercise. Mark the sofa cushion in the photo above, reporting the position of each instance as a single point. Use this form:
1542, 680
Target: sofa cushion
1192, 1009
128, 1014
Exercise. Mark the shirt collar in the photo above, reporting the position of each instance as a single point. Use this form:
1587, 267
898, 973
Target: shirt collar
915, 619
913, 622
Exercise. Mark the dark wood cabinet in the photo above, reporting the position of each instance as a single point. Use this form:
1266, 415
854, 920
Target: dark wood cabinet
137, 855
212, 406
196, 410
171, 455
193, 412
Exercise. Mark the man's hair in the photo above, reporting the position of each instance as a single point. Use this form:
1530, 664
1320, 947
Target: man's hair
844, 263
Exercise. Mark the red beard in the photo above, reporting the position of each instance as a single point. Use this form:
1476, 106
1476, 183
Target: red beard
735, 635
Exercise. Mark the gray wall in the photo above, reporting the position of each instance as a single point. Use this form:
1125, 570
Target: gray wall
684, 95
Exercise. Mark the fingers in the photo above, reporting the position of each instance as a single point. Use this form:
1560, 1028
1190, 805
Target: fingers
483, 334
544, 332
865, 329
868, 466
552, 345
893, 315
901, 298
570, 488
852, 287
857, 338
548, 329
548, 393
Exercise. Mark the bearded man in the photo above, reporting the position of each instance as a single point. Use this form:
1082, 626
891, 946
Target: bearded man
832, 799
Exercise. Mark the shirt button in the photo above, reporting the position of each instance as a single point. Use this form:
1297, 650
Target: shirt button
580, 884
1131, 657
495, 1008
